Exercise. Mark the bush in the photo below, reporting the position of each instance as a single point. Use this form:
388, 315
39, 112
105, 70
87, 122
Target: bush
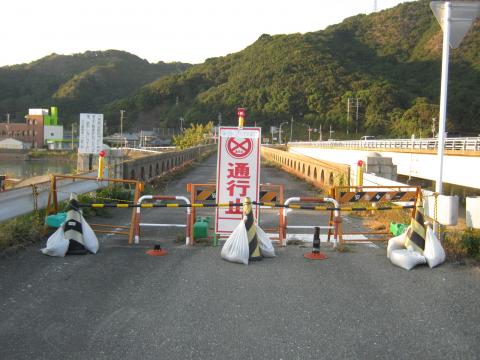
22, 230
470, 242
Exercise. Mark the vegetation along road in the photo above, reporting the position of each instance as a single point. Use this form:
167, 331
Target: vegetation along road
191, 304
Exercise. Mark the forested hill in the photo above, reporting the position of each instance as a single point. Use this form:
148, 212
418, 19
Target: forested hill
76, 83
389, 60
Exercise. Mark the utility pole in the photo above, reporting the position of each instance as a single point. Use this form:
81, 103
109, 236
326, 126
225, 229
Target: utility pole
280, 132
331, 131
348, 113
181, 124
73, 133
309, 133
291, 129
122, 114
433, 127
8, 118
320, 135
356, 119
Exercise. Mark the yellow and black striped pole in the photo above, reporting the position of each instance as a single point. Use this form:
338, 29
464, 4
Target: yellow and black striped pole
416, 233
254, 248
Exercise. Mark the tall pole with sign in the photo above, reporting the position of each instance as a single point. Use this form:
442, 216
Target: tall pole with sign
455, 19
238, 172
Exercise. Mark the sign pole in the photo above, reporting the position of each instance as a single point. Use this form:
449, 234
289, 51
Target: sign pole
443, 97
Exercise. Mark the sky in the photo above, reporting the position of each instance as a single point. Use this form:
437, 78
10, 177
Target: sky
158, 30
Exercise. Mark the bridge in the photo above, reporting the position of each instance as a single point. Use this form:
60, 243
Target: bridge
412, 157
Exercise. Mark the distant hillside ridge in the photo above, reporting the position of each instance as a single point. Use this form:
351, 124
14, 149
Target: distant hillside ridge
77, 83
388, 62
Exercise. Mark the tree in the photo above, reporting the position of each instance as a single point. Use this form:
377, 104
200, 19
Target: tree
196, 134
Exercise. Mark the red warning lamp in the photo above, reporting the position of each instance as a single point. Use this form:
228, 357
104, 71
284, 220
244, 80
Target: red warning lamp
360, 163
241, 112
102, 153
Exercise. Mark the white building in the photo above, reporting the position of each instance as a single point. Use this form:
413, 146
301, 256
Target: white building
13, 144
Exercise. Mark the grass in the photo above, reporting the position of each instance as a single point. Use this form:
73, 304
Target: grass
461, 244
41, 153
22, 231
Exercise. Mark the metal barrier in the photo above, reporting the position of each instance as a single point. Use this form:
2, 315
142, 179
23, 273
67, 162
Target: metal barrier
138, 224
205, 194
336, 212
52, 202
374, 195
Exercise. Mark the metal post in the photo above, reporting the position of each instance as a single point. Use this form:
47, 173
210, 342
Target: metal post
348, 113
122, 112
356, 119
443, 104
443, 97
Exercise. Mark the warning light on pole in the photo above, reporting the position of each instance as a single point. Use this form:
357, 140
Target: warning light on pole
241, 117
101, 164
360, 173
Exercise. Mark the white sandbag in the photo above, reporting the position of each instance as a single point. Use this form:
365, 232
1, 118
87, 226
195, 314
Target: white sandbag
90, 240
236, 248
57, 245
406, 259
266, 246
433, 252
396, 243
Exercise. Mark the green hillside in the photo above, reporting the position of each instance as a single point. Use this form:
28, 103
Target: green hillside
390, 61
76, 83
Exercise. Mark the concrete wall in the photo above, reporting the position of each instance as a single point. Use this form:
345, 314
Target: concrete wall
319, 173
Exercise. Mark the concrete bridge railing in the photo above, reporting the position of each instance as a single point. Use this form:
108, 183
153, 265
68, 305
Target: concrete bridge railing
319, 173
451, 144
148, 167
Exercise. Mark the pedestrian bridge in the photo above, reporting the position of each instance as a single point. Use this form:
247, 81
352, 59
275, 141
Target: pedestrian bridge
413, 158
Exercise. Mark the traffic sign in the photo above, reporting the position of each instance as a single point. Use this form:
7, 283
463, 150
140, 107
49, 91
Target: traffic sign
462, 15
239, 148
238, 173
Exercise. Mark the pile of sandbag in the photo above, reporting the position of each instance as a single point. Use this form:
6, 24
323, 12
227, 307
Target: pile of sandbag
74, 236
408, 251
248, 241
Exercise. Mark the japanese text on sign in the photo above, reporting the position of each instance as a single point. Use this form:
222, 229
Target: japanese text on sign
238, 173
90, 133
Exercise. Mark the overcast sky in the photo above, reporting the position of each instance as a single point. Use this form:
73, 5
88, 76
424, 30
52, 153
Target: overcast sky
168, 30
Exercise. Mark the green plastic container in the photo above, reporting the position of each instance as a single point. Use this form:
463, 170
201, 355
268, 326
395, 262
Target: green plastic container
200, 229
56, 220
397, 229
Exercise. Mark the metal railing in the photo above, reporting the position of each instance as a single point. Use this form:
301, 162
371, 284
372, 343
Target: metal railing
454, 144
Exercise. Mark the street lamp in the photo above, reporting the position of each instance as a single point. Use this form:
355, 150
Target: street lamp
280, 132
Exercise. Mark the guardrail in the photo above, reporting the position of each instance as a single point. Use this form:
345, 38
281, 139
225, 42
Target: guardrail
138, 224
452, 144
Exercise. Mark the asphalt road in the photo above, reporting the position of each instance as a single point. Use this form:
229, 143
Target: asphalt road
123, 304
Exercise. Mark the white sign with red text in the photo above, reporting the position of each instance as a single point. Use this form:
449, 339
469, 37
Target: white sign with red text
238, 173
